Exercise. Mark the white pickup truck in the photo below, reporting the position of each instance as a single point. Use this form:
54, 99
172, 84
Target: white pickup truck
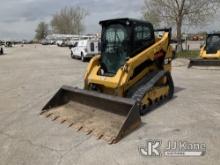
84, 49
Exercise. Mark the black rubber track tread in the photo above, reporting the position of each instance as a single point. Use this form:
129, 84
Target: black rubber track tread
142, 90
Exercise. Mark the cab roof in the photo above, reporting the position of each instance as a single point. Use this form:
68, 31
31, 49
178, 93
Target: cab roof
124, 20
212, 34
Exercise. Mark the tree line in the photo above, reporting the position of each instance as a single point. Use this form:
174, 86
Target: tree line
179, 13
68, 20
161, 13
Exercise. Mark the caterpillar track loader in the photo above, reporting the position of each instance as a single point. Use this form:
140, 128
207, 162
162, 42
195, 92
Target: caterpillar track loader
131, 76
209, 53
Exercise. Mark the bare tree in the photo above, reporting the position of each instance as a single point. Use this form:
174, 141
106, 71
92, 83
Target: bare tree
41, 31
151, 17
69, 20
180, 12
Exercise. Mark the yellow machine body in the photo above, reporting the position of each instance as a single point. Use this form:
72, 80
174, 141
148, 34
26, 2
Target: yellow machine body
110, 105
120, 83
203, 54
209, 53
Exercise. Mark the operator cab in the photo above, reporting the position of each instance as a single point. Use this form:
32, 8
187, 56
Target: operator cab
213, 43
123, 39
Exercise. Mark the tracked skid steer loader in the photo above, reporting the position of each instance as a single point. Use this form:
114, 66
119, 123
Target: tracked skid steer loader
131, 76
209, 53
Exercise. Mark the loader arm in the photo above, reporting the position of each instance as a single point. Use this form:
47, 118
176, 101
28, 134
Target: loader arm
160, 48
123, 78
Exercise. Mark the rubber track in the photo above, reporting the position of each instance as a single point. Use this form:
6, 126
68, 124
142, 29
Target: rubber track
140, 93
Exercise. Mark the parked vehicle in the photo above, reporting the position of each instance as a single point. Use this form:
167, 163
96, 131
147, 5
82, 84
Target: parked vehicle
60, 43
71, 43
1, 50
85, 49
209, 52
52, 42
8, 44
45, 42
2, 43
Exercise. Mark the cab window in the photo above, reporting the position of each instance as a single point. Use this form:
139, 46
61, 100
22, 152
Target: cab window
92, 46
143, 38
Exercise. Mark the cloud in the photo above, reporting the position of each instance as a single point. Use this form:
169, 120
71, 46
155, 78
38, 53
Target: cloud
19, 18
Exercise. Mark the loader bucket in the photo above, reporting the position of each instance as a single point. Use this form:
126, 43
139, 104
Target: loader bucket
107, 117
204, 62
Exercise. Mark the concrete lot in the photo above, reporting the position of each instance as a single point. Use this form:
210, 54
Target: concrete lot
30, 75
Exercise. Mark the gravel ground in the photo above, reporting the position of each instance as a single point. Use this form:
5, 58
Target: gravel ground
30, 75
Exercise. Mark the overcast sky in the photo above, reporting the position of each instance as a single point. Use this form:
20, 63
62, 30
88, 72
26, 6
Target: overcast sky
19, 18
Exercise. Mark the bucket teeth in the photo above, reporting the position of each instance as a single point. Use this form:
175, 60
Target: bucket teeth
113, 141
80, 128
96, 133
77, 126
55, 118
42, 113
89, 132
63, 121
92, 113
49, 115
85, 129
71, 125
108, 138
100, 136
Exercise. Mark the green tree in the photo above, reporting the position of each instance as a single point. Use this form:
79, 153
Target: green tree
41, 31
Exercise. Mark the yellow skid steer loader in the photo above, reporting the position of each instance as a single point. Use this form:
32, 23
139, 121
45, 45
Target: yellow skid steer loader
209, 53
131, 76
